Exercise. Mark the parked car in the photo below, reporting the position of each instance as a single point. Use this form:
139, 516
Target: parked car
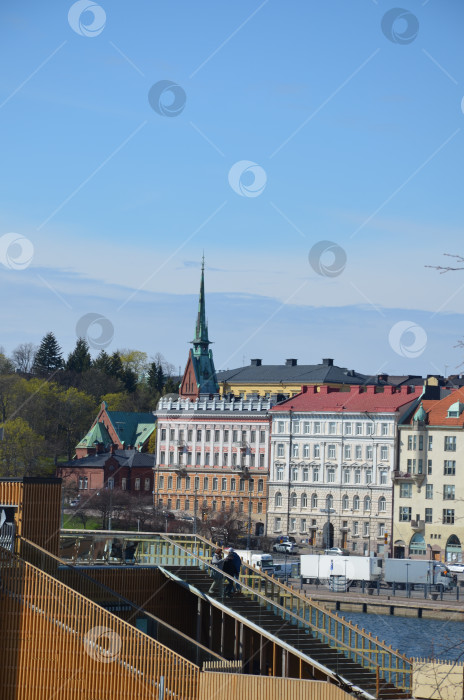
336, 552
456, 568
284, 538
286, 547
74, 502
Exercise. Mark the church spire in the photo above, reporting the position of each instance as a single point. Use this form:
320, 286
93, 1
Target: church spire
201, 340
199, 375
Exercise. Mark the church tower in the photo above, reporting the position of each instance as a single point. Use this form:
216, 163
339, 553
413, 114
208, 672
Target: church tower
200, 375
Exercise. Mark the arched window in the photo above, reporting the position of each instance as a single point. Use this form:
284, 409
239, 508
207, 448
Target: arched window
382, 504
417, 545
345, 502
278, 499
453, 549
304, 500
314, 500
293, 500
356, 503
367, 503
329, 501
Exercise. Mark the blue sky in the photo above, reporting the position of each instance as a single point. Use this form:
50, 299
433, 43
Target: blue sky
356, 133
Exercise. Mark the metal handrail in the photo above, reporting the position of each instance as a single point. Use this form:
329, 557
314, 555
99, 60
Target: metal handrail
353, 642
52, 565
361, 654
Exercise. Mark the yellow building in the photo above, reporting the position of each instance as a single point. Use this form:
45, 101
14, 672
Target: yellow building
286, 380
428, 511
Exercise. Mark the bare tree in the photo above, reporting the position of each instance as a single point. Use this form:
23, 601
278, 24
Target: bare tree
23, 356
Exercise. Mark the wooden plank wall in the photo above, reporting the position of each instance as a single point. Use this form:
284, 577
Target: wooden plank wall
57, 643
39, 509
41, 513
225, 686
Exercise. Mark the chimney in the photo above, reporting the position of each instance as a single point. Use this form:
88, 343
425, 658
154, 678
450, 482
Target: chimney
112, 448
291, 362
255, 362
328, 361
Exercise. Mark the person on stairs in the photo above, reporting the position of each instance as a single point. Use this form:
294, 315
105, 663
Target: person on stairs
218, 578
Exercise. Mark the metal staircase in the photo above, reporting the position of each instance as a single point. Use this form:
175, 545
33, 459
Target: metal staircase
335, 648
349, 674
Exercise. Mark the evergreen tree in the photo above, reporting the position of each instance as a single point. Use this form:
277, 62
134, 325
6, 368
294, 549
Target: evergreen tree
49, 356
102, 363
116, 368
129, 379
79, 359
156, 377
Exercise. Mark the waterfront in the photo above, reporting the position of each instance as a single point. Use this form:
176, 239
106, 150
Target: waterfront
439, 639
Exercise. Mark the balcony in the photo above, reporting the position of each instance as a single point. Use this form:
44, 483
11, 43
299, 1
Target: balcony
418, 525
401, 476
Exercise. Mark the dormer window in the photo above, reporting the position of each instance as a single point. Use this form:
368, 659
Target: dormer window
455, 410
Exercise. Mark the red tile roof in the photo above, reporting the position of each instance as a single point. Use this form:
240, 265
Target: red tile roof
437, 410
359, 398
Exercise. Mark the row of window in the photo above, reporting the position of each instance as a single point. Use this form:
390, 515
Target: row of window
138, 483
349, 451
416, 466
330, 427
449, 491
405, 515
185, 483
194, 505
416, 442
213, 459
329, 501
302, 523
348, 475
214, 435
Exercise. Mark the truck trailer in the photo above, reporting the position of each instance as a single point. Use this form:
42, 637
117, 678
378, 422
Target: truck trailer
417, 572
339, 571
261, 560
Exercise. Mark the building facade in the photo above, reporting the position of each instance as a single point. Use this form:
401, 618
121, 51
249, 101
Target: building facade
428, 516
213, 455
333, 454
283, 381
122, 470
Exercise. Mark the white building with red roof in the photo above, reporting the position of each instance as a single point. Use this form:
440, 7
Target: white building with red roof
333, 453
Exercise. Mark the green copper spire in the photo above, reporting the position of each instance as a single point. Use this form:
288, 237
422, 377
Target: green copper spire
202, 356
201, 329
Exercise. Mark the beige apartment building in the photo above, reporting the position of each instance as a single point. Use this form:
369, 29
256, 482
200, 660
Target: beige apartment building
428, 496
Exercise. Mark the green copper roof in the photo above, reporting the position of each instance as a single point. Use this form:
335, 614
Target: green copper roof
202, 356
132, 428
201, 328
97, 433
